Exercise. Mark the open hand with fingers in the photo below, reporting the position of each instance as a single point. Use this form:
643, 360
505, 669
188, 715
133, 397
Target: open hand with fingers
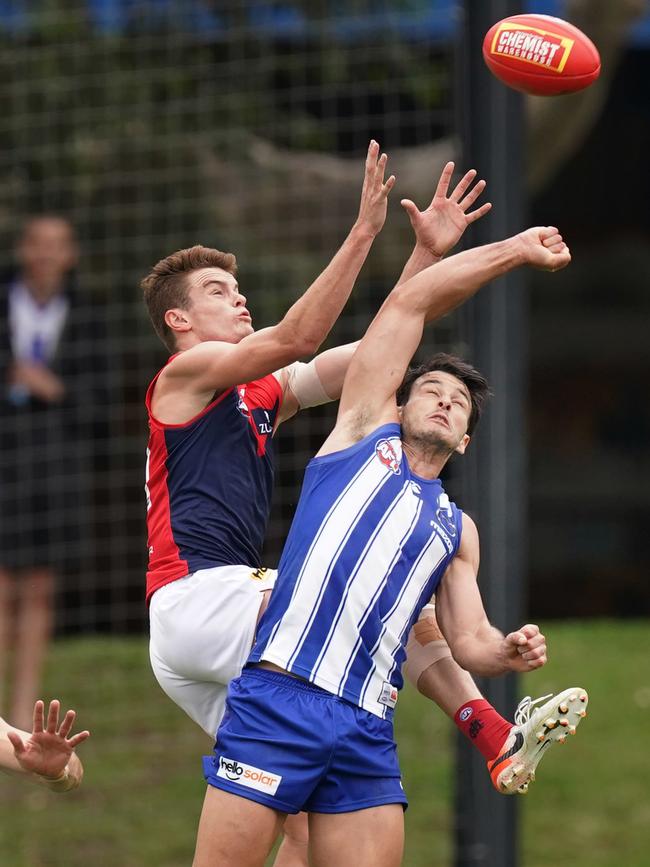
48, 749
544, 248
441, 226
525, 649
374, 194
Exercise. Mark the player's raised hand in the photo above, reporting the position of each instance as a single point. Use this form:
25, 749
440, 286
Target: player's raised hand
441, 226
525, 649
544, 248
374, 195
48, 749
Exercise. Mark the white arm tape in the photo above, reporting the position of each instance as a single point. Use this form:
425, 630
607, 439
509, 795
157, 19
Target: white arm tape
63, 783
304, 382
420, 656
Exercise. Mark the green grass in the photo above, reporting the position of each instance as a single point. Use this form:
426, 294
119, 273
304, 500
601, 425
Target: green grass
142, 793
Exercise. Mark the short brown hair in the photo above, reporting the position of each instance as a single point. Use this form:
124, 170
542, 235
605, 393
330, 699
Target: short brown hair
476, 383
165, 287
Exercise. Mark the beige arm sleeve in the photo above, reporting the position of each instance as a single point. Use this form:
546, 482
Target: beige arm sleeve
304, 382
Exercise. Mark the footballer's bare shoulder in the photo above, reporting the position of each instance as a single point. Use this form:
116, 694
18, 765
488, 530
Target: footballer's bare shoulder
185, 387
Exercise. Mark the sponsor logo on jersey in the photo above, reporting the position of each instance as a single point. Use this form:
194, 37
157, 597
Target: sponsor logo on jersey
260, 574
263, 422
388, 455
530, 45
247, 775
388, 694
465, 714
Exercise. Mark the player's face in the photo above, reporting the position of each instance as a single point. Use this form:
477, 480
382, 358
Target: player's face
437, 413
218, 309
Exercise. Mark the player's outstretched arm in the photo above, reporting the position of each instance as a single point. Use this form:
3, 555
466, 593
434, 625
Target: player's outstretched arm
380, 362
475, 644
215, 365
440, 227
312, 383
46, 755
437, 230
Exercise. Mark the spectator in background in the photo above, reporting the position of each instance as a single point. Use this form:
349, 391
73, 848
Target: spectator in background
51, 354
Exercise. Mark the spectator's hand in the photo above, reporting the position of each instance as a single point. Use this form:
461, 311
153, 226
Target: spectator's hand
441, 226
525, 649
374, 194
39, 381
544, 248
47, 751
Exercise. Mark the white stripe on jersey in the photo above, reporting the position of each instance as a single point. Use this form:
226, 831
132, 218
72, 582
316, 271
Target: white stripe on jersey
383, 654
362, 556
367, 580
332, 535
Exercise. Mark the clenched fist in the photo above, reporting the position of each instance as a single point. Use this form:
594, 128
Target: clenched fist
525, 649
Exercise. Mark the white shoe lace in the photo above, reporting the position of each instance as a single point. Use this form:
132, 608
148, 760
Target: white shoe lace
522, 714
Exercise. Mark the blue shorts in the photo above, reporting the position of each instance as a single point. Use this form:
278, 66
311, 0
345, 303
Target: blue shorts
292, 746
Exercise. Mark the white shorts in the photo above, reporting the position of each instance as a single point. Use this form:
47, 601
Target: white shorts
202, 630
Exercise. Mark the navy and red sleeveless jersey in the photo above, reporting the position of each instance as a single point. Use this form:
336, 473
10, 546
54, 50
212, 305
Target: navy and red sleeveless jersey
209, 483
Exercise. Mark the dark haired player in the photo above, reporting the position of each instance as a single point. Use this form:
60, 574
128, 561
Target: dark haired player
308, 725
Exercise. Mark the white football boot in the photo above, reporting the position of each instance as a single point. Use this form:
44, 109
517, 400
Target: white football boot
535, 729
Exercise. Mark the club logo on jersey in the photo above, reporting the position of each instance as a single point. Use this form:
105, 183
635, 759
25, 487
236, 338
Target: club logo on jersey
241, 403
389, 453
247, 775
261, 420
388, 694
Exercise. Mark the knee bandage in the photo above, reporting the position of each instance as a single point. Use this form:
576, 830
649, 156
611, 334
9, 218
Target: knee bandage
425, 647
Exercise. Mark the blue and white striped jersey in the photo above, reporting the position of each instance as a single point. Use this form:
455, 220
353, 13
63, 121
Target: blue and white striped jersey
367, 548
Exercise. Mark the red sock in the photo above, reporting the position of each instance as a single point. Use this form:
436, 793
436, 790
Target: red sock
487, 729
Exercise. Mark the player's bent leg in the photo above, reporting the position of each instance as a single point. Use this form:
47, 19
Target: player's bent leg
448, 685
373, 837
202, 701
293, 849
201, 631
431, 668
235, 832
